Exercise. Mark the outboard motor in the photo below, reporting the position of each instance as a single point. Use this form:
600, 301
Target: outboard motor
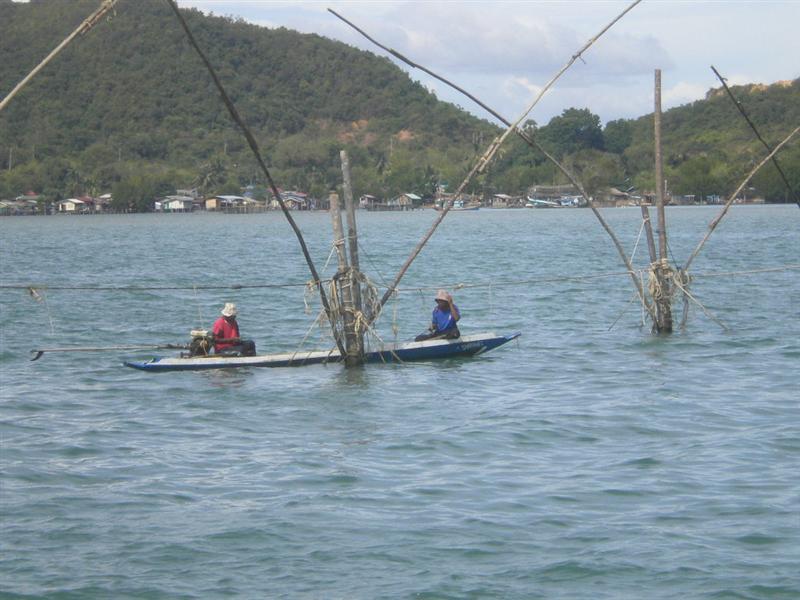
202, 342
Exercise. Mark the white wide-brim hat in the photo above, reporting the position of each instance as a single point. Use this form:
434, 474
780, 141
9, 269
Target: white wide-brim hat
229, 310
442, 295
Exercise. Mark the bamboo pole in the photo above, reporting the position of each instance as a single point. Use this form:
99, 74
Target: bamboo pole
531, 142
85, 26
758, 135
663, 301
713, 225
648, 229
349, 208
251, 141
343, 282
492, 149
662, 225
352, 233
37, 352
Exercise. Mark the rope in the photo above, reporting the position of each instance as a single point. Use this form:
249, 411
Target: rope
513, 282
623, 311
199, 308
638, 237
143, 288
789, 267
42, 297
682, 282
455, 286
308, 333
381, 278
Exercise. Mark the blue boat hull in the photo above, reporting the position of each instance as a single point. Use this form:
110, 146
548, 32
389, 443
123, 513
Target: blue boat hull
469, 345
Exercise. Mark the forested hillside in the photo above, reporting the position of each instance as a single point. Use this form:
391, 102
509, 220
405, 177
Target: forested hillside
130, 104
708, 147
131, 98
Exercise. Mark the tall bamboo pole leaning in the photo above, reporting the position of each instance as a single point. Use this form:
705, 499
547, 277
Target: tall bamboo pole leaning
663, 295
490, 152
758, 135
84, 27
251, 141
530, 141
716, 221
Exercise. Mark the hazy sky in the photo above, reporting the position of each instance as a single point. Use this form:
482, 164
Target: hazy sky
504, 52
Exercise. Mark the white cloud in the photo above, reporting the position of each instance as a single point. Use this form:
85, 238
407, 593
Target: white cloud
682, 93
503, 52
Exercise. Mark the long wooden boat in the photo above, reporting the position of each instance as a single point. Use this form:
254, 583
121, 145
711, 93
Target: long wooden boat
468, 345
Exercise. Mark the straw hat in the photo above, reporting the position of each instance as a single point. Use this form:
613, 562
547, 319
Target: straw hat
443, 295
229, 310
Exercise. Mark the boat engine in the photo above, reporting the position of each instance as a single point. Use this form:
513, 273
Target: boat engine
202, 342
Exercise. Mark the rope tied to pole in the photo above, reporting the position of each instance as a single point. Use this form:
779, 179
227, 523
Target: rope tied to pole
659, 274
665, 282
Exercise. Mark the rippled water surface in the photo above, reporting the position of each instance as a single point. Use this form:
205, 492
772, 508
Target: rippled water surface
589, 459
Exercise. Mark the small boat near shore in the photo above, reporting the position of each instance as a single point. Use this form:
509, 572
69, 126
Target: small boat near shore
541, 203
460, 205
468, 345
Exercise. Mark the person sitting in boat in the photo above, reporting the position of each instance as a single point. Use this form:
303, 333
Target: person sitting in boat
443, 323
226, 335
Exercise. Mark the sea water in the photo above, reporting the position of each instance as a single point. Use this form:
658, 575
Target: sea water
587, 459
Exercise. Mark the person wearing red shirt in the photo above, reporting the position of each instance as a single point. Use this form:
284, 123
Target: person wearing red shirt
226, 335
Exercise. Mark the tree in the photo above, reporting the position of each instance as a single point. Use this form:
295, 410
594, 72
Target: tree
618, 135
576, 129
696, 177
771, 185
212, 174
596, 170
138, 192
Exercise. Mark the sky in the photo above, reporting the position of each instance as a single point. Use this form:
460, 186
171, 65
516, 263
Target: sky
505, 52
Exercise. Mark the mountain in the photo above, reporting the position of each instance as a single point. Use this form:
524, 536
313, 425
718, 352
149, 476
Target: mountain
129, 104
132, 95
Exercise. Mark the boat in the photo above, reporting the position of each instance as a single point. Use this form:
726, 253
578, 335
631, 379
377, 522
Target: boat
460, 205
541, 203
468, 345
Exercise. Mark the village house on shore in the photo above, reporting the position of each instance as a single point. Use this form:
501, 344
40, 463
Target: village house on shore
190, 200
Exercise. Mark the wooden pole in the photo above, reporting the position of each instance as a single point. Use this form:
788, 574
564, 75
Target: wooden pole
758, 135
349, 207
85, 26
662, 229
713, 225
663, 322
352, 235
343, 282
648, 229
251, 141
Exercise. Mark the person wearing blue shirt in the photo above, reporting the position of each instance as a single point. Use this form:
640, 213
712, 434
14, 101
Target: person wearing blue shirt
444, 319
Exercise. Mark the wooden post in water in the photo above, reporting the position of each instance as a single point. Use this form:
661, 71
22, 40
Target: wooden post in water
343, 282
648, 229
352, 235
663, 322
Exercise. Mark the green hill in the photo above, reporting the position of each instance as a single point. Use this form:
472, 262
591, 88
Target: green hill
132, 97
130, 104
707, 146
